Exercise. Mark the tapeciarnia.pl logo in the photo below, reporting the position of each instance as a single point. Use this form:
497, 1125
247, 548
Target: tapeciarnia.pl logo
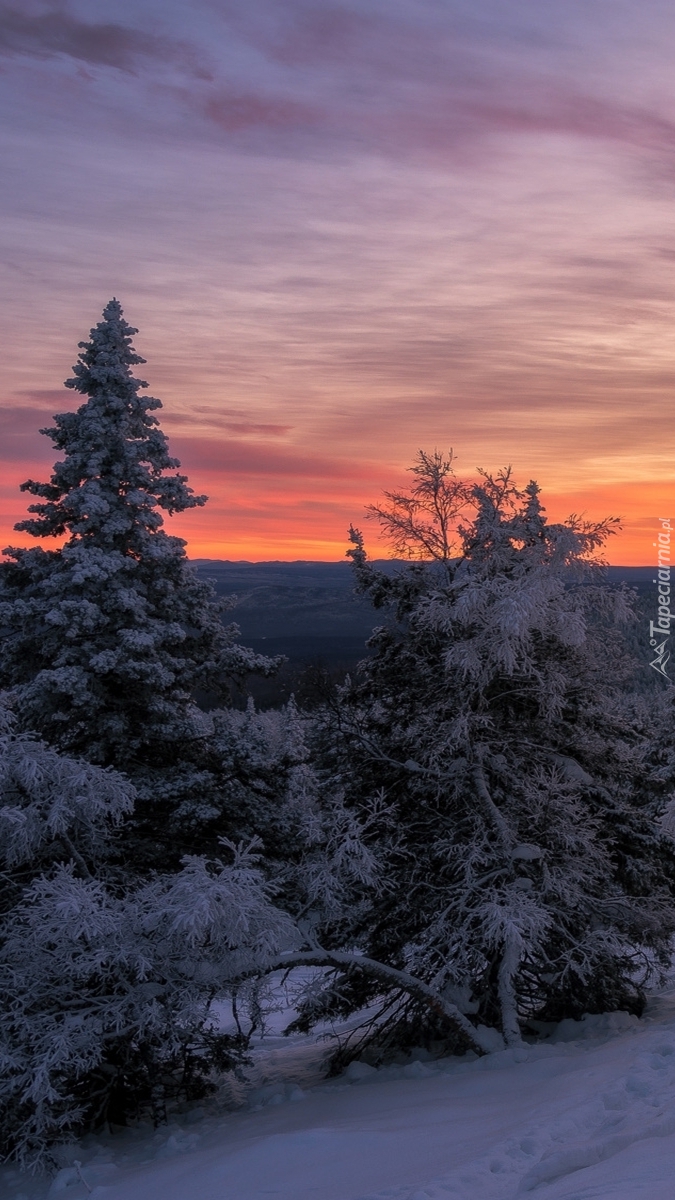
659, 630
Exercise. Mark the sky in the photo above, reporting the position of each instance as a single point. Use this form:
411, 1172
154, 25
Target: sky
347, 231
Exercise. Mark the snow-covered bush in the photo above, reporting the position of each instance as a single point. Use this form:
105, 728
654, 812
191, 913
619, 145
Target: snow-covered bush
107, 982
107, 999
521, 872
53, 809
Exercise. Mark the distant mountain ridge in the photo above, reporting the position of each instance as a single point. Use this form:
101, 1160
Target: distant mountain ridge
304, 610
308, 610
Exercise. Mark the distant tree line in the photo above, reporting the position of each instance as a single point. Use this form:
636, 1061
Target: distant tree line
469, 837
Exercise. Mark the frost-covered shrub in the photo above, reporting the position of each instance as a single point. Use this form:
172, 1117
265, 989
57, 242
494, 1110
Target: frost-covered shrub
107, 981
53, 810
315, 846
521, 872
107, 999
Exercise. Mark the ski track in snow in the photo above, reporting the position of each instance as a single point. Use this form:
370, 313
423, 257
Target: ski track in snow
587, 1115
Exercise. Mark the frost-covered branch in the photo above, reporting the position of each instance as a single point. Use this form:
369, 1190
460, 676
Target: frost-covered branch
494, 816
392, 977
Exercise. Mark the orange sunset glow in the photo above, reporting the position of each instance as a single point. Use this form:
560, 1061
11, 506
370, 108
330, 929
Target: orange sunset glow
346, 232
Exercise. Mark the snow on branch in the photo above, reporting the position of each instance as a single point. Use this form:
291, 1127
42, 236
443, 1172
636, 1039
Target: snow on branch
391, 976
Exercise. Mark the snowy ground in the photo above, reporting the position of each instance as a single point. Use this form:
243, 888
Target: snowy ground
587, 1115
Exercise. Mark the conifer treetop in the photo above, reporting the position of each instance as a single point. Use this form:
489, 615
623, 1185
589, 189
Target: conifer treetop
112, 480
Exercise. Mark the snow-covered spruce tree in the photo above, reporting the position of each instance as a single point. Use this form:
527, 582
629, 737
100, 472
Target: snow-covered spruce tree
106, 987
521, 873
106, 640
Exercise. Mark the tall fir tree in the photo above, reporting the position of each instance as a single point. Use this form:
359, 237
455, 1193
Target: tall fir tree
106, 641
109, 969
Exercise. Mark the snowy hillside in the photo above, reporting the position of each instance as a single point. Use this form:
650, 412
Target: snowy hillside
589, 1113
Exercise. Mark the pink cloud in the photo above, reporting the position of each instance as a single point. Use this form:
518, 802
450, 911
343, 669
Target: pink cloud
215, 419
250, 429
248, 459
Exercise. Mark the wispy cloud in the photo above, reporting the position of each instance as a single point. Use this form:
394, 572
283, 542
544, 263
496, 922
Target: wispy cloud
203, 416
103, 44
401, 78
